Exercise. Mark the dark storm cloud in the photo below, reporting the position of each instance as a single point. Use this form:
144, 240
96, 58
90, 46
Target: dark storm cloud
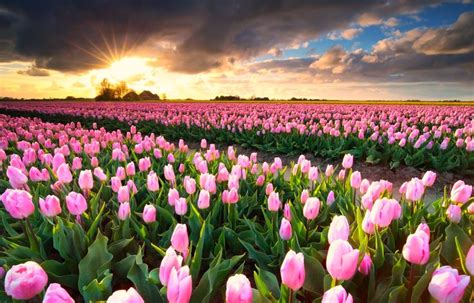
34, 72
78, 35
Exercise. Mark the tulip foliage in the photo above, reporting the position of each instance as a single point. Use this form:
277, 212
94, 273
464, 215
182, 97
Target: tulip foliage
97, 215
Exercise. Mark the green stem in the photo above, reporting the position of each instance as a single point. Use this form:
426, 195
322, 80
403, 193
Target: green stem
290, 296
333, 282
410, 280
31, 236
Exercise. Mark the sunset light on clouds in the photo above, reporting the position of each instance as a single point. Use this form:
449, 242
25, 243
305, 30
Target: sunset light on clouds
200, 49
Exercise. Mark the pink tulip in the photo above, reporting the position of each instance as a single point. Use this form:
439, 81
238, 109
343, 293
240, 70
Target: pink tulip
130, 169
269, 189
152, 183
85, 180
429, 178
120, 173
123, 194
454, 213
356, 179
124, 211
170, 260
203, 199
25, 281
417, 248
50, 206
181, 206
56, 294
292, 270
189, 185
179, 285
16, 177
470, 260
347, 161
260, 180
149, 213
208, 182
35, 175
313, 173
230, 196
285, 229
342, 174
365, 265
329, 170
364, 186
470, 209
415, 190
384, 211
447, 286
274, 203
367, 225
115, 183
304, 196
180, 240
169, 173
311, 208
18, 203
76, 163
238, 289
125, 296
337, 294
341, 261
331, 198
76, 203
287, 212
144, 164
64, 174
339, 229
99, 173
461, 192
173, 196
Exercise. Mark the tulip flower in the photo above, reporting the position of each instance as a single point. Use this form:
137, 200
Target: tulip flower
115, 183
203, 199
337, 294
329, 170
274, 203
189, 185
169, 173
149, 213
180, 240
125, 296
64, 174
384, 211
170, 260
86, 182
50, 206
16, 177
364, 186
460, 193
152, 183
470, 260
292, 270
365, 265
181, 206
285, 229
341, 261
331, 198
99, 173
130, 169
173, 196
238, 289
76, 203
367, 225
124, 211
18, 203
417, 248
304, 196
356, 179
429, 178
311, 208
313, 173
287, 212
347, 161
25, 281
447, 286
454, 213
339, 229
179, 285
123, 194
414, 189
56, 294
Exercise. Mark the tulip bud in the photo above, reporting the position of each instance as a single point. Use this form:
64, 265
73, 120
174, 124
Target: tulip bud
356, 179
18, 203
415, 189
365, 265
341, 261
447, 285
417, 248
347, 161
76, 203
203, 199
173, 196
274, 203
337, 294
429, 178
123, 194
454, 213
125, 296
181, 206
339, 229
130, 169
180, 240
99, 173
124, 211
238, 289
152, 183
331, 198
292, 270
179, 286
56, 294
189, 185
85, 180
285, 229
149, 213
461, 192
304, 196
311, 208
50, 206
287, 212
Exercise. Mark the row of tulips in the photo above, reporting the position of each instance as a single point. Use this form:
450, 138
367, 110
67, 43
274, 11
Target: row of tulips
91, 215
438, 137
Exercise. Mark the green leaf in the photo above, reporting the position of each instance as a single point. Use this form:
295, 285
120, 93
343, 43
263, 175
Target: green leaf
448, 249
422, 283
95, 266
138, 274
197, 258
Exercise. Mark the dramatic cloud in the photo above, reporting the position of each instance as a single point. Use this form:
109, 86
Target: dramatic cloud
347, 34
184, 35
34, 72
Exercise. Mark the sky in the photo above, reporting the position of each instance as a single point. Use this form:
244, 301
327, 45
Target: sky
407, 49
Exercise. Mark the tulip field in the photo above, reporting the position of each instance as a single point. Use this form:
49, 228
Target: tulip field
111, 202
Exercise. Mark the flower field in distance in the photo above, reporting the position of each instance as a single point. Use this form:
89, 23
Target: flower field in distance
106, 202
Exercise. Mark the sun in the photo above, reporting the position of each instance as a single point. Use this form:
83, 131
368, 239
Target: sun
128, 69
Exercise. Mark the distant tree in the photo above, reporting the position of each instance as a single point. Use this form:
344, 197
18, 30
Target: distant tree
163, 96
121, 89
106, 91
70, 98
